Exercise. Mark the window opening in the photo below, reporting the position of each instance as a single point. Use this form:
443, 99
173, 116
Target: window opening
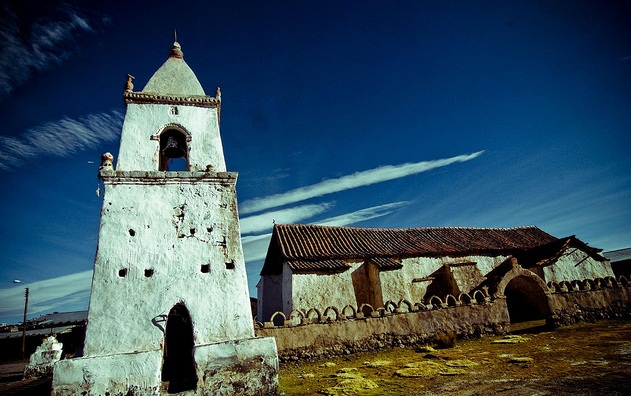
148, 273
230, 265
132, 232
205, 268
122, 272
178, 367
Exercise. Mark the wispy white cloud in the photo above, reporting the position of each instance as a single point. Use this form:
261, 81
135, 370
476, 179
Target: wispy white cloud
255, 247
264, 221
48, 295
364, 178
35, 45
363, 214
59, 138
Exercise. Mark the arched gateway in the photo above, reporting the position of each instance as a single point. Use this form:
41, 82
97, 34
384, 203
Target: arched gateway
526, 295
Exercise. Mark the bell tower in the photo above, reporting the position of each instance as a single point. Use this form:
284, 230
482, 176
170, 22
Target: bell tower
170, 310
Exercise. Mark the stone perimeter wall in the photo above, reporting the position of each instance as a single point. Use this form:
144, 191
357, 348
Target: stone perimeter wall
588, 301
315, 333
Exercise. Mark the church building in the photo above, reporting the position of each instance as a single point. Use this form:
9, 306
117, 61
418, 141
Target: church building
374, 266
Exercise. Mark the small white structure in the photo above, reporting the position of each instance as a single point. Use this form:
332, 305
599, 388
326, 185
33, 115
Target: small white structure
169, 310
310, 266
43, 359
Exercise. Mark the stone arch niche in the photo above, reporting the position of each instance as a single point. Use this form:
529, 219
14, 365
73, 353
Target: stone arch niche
526, 297
178, 367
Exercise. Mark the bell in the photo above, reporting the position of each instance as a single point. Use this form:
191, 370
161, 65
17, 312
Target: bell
172, 149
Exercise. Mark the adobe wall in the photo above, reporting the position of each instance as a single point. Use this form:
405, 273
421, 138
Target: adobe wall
602, 299
383, 327
333, 332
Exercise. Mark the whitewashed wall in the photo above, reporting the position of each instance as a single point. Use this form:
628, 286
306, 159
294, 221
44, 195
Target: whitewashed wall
323, 290
565, 268
142, 121
162, 218
398, 284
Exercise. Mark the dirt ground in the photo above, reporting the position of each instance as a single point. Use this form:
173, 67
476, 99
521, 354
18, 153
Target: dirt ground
583, 359
11, 382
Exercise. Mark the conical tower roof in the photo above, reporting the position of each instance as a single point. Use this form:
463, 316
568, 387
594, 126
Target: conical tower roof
174, 77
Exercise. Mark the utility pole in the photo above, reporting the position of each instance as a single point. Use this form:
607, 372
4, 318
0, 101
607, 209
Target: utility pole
24, 323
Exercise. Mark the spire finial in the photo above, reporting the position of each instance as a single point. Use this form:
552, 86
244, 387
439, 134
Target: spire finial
176, 50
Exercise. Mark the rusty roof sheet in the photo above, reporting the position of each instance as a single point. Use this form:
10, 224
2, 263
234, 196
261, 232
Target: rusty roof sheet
315, 244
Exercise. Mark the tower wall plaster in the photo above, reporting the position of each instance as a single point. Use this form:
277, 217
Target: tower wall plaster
142, 121
172, 229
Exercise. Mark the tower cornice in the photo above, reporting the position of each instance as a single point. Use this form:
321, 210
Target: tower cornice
161, 178
192, 100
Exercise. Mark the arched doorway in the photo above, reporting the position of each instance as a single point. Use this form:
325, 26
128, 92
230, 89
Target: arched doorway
526, 300
178, 367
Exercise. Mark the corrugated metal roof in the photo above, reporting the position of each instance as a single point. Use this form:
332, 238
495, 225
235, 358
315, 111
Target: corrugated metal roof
36, 332
618, 255
59, 318
315, 244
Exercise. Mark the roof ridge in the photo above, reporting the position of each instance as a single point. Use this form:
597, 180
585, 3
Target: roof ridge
297, 225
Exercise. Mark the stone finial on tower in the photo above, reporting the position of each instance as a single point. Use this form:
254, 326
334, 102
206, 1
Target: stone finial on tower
106, 163
218, 94
129, 85
176, 51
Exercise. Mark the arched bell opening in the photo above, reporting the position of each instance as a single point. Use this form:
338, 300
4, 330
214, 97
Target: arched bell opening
526, 300
178, 367
173, 151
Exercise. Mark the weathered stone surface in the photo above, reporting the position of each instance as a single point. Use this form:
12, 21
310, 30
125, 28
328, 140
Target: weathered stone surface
244, 367
43, 359
590, 305
176, 229
414, 328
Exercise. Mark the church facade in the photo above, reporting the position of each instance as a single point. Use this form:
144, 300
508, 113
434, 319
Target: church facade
170, 310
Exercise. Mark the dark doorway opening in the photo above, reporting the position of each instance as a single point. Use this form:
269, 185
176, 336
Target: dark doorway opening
526, 300
178, 368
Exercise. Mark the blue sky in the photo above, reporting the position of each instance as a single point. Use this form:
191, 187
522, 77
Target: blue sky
362, 113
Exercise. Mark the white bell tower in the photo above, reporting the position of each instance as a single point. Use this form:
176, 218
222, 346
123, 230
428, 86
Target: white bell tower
170, 310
